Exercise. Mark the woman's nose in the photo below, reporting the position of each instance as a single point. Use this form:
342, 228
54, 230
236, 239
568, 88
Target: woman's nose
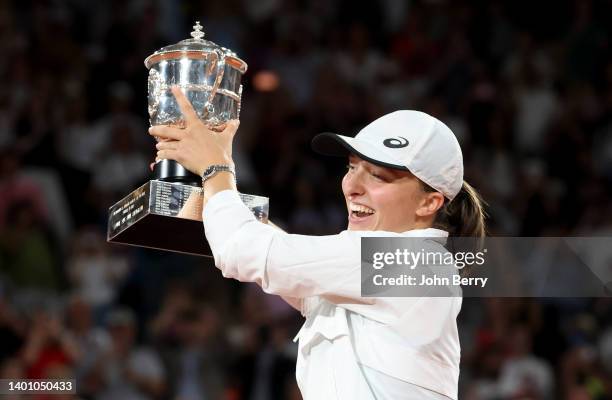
352, 183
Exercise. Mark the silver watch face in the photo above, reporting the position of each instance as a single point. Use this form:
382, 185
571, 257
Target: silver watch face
208, 172
213, 169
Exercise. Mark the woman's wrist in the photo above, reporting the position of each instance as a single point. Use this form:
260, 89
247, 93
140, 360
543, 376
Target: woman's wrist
222, 160
223, 180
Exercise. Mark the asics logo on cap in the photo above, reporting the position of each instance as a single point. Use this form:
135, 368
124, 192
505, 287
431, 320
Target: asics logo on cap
395, 143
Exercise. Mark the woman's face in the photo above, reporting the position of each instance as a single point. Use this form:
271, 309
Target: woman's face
385, 199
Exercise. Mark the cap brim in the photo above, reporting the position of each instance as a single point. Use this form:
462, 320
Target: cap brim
332, 144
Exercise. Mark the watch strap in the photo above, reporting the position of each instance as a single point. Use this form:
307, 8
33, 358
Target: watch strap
214, 169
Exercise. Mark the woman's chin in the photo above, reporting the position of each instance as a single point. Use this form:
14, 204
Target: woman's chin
356, 223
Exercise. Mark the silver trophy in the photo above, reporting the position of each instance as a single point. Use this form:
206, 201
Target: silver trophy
166, 212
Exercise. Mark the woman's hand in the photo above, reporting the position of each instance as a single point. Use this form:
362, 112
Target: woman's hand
195, 147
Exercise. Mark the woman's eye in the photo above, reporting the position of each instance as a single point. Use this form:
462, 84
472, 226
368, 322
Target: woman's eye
350, 167
378, 177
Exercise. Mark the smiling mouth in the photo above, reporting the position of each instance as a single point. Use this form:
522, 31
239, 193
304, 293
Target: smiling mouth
360, 211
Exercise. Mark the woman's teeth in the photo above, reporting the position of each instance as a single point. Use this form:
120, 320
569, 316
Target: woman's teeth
361, 211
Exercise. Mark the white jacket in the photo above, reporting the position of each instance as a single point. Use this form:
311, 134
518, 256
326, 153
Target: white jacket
350, 347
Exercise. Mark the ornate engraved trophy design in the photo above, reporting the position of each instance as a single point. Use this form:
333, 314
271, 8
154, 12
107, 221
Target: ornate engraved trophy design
166, 212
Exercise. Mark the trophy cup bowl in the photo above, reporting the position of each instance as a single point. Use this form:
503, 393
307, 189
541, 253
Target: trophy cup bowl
166, 212
208, 74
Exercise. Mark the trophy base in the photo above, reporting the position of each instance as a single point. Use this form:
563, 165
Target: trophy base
168, 216
172, 171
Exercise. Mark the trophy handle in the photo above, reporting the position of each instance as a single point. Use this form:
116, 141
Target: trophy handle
239, 102
155, 89
219, 65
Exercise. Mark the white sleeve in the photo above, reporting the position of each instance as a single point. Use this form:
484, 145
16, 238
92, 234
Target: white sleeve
289, 265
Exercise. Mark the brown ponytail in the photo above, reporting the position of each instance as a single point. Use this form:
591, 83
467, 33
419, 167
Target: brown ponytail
464, 215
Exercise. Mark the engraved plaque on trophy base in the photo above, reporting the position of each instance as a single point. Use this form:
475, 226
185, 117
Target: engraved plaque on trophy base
168, 216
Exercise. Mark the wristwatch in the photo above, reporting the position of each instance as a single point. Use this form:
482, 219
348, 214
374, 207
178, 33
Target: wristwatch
216, 168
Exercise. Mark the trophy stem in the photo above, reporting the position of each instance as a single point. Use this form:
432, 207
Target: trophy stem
172, 171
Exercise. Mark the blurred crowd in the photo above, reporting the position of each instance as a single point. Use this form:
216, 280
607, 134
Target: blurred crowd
525, 86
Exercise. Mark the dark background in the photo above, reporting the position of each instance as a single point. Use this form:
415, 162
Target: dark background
525, 86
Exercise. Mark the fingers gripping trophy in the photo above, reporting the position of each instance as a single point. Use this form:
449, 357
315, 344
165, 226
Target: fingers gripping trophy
166, 212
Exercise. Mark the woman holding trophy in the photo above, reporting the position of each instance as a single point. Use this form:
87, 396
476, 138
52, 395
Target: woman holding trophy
404, 179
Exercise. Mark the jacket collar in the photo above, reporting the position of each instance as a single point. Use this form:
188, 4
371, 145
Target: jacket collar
438, 235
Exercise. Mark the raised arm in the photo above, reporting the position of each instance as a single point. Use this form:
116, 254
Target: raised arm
284, 264
294, 302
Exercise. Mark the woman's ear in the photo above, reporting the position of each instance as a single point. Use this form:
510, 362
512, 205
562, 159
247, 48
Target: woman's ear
430, 203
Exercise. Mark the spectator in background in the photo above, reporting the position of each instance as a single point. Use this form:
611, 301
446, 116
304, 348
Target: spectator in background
265, 353
128, 371
7, 123
123, 167
95, 272
523, 374
27, 251
605, 352
92, 342
583, 375
48, 344
505, 365
361, 65
536, 105
12, 368
307, 217
80, 144
16, 188
60, 373
265, 369
196, 363
188, 333
295, 55
12, 328
121, 117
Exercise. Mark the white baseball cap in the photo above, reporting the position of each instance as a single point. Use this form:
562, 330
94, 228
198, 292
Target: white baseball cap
406, 140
